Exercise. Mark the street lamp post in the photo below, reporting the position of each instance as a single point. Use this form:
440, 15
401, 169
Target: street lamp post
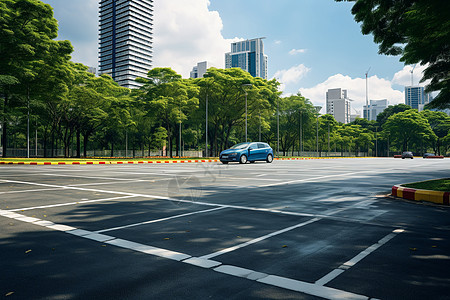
376, 141
278, 128
318, 108
245, 91
206, 131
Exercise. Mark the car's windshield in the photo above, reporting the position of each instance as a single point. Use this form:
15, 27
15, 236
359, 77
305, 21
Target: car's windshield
240, 146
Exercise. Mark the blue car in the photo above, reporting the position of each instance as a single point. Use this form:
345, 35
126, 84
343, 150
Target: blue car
245, 152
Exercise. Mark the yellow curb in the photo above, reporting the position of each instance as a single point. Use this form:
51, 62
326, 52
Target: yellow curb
407, 193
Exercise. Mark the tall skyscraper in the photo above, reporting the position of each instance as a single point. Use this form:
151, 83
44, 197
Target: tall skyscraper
338, 105
416, 97
249, 56
125, 50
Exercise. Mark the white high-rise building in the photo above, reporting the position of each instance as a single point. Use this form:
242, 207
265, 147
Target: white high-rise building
338, 105
249, 56
125, 50
199, 70
375, 107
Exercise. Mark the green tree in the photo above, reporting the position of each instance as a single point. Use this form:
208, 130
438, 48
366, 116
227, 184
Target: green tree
26, 43
168, 98
226, 90
440, 124
407, 126
418, 30
389, 111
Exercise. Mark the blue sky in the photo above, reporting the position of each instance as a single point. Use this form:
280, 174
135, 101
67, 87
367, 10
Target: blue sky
312, 45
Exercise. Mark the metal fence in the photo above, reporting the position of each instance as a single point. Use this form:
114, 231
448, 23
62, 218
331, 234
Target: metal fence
146, 153
11, 152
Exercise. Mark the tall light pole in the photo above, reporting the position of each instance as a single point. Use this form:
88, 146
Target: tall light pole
367, 95
318, 108
179, 154
245, 91
376, 141
278, 127
300, 132
206, 130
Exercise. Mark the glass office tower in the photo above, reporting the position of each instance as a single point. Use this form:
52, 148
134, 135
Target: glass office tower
249, 56
125, 50
416, 97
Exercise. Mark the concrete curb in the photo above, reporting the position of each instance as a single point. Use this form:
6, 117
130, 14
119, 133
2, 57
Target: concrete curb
107, 162
421, 195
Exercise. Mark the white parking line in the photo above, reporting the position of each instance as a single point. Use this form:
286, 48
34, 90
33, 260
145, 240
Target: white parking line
159, 220
347, 265
30, 191
71, 203
90, 177
264, 237
273, 280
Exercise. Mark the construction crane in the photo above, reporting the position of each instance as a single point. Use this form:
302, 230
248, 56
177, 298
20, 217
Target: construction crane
367, 94
412, 75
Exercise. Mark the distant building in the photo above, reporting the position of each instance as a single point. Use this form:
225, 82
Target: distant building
199, 70
354, 117
249, 56
125, 50
338, 105
416, 97
375, 107
92, 70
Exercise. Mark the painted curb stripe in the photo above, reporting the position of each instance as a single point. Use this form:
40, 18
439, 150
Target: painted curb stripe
421, 195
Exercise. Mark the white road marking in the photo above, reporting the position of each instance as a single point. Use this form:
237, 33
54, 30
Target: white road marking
283, 282
72, 203
310, 288
240, 272
159, 220
204, 263
121, 182
347, 265
31, 191
314, 178
230, 249
89, 177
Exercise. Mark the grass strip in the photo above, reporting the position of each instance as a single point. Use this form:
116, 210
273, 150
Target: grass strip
440, 185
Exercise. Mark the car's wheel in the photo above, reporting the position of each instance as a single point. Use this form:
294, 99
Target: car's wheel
225, 162
403, 158
243, 159
269, 158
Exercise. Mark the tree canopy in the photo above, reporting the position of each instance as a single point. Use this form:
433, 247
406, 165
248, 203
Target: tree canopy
418, 30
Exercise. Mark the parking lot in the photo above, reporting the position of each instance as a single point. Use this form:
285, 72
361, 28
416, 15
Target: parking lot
288, 230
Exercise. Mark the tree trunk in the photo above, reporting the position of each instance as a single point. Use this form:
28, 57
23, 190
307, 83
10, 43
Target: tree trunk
78, 144
5, 128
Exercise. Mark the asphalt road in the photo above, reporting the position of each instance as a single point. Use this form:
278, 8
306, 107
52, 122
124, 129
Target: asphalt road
287, 230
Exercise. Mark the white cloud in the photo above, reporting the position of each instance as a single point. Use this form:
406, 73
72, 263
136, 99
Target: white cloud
278, 42
379, 88
296, 51
292, 75
403, 77
187, 32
